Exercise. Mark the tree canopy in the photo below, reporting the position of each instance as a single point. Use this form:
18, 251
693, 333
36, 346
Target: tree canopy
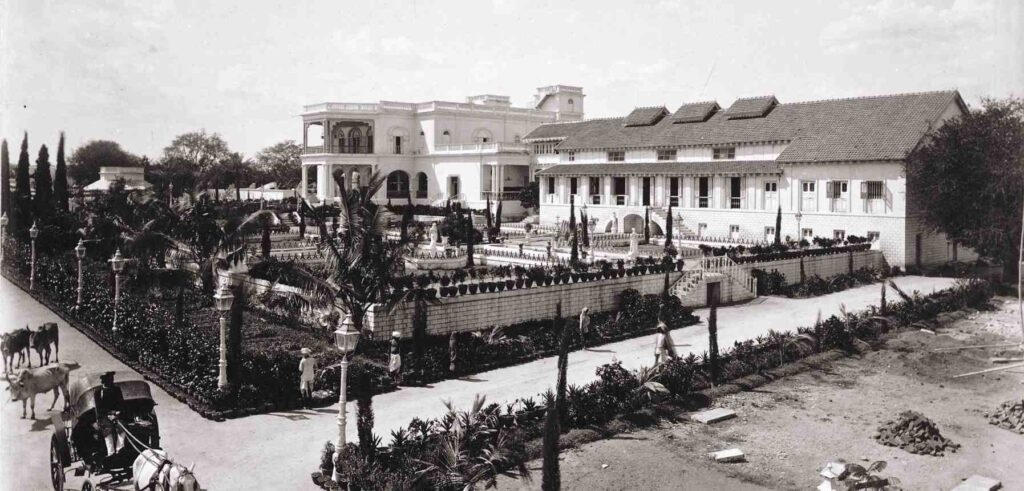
280, 163
197, 149
967, 180
87, 160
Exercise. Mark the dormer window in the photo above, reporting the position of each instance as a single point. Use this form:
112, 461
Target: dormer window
617, 156
572, 156
667, 155
723, 153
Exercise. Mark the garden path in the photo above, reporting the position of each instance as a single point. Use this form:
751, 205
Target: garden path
280, 450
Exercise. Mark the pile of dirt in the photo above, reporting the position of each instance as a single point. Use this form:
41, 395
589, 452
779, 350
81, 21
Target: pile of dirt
915, 433
1009, 415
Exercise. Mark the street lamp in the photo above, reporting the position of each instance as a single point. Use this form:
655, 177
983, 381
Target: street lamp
117, 264
223, 299
799, 231
346, 339
3, 225
80, 254
33, 233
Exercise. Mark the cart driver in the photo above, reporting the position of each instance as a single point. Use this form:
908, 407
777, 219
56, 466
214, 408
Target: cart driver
109, 402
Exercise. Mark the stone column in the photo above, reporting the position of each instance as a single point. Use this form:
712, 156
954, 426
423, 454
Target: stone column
304, 183
322, 182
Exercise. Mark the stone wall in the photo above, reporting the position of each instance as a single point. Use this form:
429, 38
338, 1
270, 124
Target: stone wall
823, 266
483, 310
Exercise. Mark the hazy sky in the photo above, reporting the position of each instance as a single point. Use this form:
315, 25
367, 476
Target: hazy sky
140, 72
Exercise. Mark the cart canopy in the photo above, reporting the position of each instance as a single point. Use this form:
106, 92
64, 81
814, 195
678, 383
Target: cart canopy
82, 390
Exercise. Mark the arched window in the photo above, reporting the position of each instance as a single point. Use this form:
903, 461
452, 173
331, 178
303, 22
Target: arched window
446, 138
338, 134
369, 140
399, 140
355, 137
572, 106
421, 185
398, 184
482, 135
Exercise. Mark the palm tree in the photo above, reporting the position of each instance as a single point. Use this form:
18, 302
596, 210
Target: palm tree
363, 261
474, 453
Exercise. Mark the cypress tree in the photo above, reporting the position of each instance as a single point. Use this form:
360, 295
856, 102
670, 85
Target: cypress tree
5, 186
60, 179
42, 203
574, 257
21, 217
713, 340
585, 221
469, 239
490, 223
647, 225
364, 416
778, 227
668, 229
551, 474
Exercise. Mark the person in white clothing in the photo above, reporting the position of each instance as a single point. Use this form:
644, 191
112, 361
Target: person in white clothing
664, 347
307, 368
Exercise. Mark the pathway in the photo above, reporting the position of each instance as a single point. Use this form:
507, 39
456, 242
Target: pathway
280, 450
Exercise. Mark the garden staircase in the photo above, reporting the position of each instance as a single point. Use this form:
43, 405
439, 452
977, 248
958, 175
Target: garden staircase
689, 288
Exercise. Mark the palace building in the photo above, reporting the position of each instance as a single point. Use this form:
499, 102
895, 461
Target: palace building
430, 151
834, 167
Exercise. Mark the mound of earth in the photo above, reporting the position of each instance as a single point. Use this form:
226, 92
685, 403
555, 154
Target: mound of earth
1009, 415
915, 433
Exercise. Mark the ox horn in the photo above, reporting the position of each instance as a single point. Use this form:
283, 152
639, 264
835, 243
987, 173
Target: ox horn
192, 467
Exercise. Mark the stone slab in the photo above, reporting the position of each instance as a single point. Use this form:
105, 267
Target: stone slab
713, 415
730, 455
979, 483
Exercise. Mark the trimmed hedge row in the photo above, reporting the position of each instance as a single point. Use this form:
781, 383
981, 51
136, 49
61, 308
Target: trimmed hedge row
618, 391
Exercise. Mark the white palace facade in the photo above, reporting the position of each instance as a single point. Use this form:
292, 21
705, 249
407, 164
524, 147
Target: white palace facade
430, 151
834, 167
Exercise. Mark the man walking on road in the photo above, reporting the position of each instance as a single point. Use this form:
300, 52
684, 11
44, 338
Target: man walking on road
585, 325
307, 369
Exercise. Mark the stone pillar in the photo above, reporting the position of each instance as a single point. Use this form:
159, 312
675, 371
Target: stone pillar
304, 183
322, 182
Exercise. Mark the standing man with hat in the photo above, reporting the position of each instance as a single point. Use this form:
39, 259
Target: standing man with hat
395, 360
307, 370
585, 325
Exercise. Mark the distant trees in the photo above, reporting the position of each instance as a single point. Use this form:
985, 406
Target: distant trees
281, 163
196, 149
968, 179
42, 201
21, 211
529, 196
60, 179
87, 159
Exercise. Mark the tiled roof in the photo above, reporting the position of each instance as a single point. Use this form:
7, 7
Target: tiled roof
676, 168
645, 116
695, 112
866, 128
752, 107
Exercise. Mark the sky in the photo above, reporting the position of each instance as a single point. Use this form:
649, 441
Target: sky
141, 72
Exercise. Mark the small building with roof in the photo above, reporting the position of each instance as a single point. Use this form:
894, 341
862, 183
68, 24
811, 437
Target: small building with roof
834, 168
134, 179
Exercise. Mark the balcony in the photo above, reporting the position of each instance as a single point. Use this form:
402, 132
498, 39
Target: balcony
479, 148
347, 149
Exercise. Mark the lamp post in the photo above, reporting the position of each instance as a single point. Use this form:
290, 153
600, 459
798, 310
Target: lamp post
80, 254
117, 264
3, 225
799, 231
33, 233
346, 339
223, 299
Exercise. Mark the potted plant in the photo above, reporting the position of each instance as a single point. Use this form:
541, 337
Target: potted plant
500, 285
509, 283
473, 287
575, 277
462, 288
446, 280
548, 279
430, 293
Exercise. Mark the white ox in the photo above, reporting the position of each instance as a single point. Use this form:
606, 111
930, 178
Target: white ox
34, 381
152, 470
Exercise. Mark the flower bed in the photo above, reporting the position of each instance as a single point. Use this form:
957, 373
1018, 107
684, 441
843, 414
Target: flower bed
182, 359
618, 391
774, 282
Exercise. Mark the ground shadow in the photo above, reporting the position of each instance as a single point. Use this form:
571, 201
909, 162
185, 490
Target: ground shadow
293, 415
471, 378
599, 350
41, 424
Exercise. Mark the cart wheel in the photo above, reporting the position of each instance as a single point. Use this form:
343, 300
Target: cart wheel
57, 462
